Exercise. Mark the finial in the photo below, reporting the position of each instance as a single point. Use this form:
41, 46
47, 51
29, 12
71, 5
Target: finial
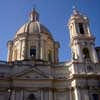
34, 6
75, 3
74, 8
75, 11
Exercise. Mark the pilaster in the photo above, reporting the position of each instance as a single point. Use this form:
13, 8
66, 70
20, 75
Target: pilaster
77, 94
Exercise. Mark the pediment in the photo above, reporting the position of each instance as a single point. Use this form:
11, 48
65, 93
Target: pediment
32, 73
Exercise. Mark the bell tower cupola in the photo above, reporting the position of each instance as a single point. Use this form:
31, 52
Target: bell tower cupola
82, 42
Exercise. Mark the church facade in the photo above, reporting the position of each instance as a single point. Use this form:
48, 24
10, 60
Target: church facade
33, 70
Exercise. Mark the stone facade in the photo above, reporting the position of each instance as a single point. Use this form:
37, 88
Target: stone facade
33, 70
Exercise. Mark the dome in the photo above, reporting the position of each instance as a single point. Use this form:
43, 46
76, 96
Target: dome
33, 26
33, 41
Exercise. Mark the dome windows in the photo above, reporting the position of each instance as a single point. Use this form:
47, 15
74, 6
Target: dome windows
33, 52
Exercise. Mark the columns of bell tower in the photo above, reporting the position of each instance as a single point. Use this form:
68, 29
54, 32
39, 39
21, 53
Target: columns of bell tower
79, 53
94, 56
81, 38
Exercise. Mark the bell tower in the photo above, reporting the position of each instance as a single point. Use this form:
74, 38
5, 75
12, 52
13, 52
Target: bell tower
82, 42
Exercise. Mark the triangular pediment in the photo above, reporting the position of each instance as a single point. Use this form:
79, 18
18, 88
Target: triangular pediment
31, 73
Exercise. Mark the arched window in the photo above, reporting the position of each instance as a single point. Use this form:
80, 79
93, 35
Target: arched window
81, 29
31, 97
86, 54
33, 51
50, 55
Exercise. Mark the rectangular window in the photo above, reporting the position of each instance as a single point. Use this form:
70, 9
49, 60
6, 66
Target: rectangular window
81, 29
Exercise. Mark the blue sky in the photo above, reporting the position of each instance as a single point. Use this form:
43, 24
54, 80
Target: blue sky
54, 14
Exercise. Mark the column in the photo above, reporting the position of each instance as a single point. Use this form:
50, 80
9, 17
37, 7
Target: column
88, 30
13, 95
50, 94
42, 94
77, 94
56, 52
23, 53
94, 55
79, 52
70, 94
86, 96
42, 50
22, 95
20, 48
37, 49
75, 29
10, 45
9, 57
39, 46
